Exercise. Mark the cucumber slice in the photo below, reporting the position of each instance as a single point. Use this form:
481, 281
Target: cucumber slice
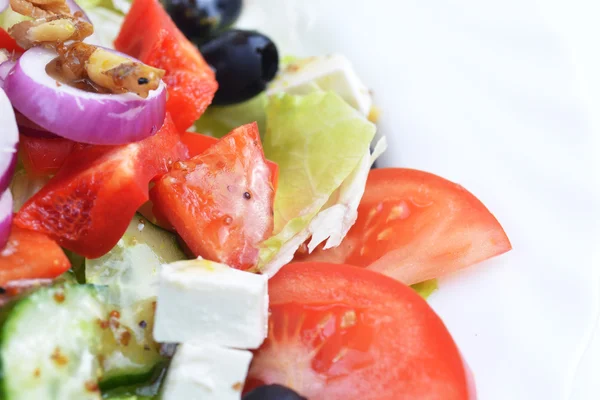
49, 342
66, 342
130, 270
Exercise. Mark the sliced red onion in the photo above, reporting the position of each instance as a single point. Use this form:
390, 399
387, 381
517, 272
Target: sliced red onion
3, 5
6, 214
79, 115
9, 138
5, 68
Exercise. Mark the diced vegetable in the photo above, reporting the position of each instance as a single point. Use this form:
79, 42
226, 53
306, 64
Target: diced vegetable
337, 332
86, 348
130, 270
8, 43
220, 202
88, 205
415, 226
49, 345
198, 144
30, 255
43, 156
190, 80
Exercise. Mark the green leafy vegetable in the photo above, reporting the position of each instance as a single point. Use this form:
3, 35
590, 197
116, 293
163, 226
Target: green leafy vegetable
318, 141
426, 288
218, 121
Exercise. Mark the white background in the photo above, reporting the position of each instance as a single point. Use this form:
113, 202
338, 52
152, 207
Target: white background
501, 97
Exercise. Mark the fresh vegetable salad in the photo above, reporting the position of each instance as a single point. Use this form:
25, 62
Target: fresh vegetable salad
185, 213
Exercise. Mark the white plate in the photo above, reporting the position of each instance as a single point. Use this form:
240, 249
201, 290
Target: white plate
487, 94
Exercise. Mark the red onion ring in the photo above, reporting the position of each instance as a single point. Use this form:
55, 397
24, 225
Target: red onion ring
9, 138
3, 5
6, 214
5, 68
85, 117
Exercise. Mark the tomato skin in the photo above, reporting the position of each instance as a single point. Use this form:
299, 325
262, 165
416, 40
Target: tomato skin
221, 201
190, 80
393, 347
198, 143
8, 43
41, 156
87, 206
415, 226
31, 255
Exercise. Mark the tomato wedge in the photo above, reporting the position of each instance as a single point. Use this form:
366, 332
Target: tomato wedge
149, 34
198, 143
41, 156
415, 226
221, 201
87, 206
8, 43
31, 255
343, 332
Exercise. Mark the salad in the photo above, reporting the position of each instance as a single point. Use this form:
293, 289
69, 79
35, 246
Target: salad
185, 213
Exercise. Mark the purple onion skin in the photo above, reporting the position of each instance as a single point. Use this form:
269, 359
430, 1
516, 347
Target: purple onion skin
5, 217
90, 118
8, 174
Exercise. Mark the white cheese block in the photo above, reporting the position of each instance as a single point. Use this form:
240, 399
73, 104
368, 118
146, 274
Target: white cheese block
329, 73
206, 372
207, 302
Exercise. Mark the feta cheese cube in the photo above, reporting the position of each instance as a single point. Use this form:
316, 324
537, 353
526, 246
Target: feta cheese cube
330, 73
206, 372
207, 302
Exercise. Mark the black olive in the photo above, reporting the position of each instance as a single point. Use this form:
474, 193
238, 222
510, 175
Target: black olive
244, 61
273, 392
201, 19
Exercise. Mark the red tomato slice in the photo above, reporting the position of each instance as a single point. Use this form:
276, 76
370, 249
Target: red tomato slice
342, 332
414, 226
221, 202
8, 43
190, 80
87, 206
198, 144
43, 156
31, 255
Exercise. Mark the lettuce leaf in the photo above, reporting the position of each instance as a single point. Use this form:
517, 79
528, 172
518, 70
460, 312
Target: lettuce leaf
107, 24
426, 288
8, 18
322, 147
107, 17
218, 121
